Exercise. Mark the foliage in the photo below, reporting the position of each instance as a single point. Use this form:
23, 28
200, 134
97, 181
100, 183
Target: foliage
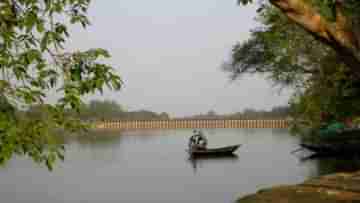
34, 64
101, 110
334, 94
325, 7
335, 23
281, 50
292, 57
145, 115
277, 112
98, 110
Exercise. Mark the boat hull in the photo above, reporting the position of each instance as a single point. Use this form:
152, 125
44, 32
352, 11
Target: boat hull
344, 142
332, 150
214, 151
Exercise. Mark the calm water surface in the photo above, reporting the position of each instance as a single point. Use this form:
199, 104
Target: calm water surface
153, 167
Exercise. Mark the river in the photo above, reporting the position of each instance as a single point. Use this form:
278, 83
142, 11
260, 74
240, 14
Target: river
153, 167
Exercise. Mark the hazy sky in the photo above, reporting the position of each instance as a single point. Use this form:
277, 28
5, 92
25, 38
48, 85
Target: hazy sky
169, 54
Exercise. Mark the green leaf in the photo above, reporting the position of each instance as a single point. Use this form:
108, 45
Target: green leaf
49, 164
40, 27
34, 63
45, 41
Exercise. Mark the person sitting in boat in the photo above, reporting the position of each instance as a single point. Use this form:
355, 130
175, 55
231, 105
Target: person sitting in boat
198, 140
192, 140
202, 141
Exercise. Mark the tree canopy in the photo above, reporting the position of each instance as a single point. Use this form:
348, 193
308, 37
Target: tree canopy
34, 63
335, 23
291, 54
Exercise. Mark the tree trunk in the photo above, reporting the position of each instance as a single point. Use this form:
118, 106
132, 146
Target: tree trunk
338, 34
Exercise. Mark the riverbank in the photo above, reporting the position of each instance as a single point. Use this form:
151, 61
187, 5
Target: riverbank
339, 187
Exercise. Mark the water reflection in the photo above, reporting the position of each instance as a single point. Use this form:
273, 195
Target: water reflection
326, 165
100, 146
204, 161
153, 167
329, 165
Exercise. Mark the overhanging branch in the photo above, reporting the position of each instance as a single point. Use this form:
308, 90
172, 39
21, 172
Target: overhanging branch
336, 34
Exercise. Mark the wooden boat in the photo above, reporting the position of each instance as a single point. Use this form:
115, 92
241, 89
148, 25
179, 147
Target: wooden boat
319, 149
332, 149
345, 142
214, 151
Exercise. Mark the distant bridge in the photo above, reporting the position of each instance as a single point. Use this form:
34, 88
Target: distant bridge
191, 124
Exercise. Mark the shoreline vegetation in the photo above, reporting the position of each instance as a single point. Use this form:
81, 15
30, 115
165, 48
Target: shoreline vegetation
97, 110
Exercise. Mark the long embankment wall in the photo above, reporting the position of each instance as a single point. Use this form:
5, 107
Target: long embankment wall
176, 124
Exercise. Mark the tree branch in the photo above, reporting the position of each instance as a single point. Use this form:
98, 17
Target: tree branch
337, 34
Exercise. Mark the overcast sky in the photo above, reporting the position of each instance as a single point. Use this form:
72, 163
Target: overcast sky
169, 54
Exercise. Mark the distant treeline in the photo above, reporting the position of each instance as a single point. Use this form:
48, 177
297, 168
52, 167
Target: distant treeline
104, 110
279, 112
111, 110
